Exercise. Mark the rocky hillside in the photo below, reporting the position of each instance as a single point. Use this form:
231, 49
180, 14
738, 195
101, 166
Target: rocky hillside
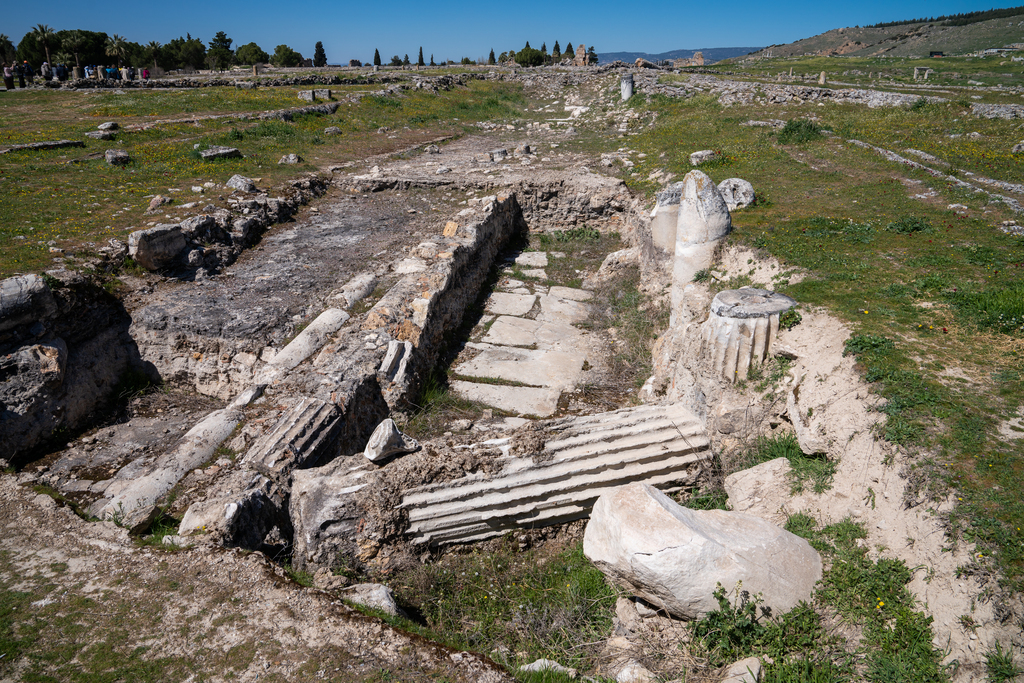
906, 40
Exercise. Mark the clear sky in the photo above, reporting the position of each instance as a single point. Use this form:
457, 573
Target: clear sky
452, 30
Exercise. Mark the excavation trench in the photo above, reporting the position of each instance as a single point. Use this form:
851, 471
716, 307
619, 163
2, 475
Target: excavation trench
275, 372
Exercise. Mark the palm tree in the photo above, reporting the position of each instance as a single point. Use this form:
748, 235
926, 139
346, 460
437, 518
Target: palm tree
116, 48
75, 41
153, 46
44, 34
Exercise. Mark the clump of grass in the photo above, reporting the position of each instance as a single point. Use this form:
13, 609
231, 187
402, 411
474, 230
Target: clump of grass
580, 234
907, 225
790, 319
1000, 665
798, 131
998, 309
537, 603
814, 470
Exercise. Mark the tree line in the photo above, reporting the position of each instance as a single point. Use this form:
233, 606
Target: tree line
79, 48
962, 19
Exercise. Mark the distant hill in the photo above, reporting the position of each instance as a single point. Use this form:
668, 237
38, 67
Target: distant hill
951, 36
711, 54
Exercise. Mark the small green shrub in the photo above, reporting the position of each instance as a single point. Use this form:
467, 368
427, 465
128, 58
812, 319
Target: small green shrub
702, 275
860, 344
908, 225
790, 319
798, 131
814, 469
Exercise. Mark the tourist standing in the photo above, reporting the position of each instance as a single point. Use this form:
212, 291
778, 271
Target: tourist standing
8, 76
45, 72
19, 70
30, 74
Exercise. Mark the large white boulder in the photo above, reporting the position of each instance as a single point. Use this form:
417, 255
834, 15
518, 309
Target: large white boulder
674, 557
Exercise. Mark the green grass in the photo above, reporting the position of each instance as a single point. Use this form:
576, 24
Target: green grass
809, 470
516, 606
1000, 664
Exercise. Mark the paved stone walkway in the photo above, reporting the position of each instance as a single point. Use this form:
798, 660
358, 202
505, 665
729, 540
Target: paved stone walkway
528, 351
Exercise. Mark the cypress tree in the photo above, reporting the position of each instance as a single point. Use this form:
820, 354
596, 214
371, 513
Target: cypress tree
432, 61
490, 58
420, 62
376, 57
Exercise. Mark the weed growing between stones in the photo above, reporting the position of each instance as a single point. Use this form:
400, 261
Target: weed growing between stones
812, 470
1000, 664
636, 319
515, 606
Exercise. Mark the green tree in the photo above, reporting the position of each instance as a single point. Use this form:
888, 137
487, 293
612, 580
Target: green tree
220, 55
182, 53
467, 61
285, 56
405, 61
8, 52
432, 60
250, 54
420, 62
153, 47
376, 57
396, 61
117, 47
529, 56
45, 36
490, 57
319, 56
569, 52
592, 55
544, 47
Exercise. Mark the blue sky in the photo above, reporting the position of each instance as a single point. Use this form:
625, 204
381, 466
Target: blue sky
452, 30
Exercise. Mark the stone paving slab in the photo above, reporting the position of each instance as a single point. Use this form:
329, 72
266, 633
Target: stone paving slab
535, 367
559, 310
503, 303
510, 331
536, 259
542, 402
536, 272
571, 293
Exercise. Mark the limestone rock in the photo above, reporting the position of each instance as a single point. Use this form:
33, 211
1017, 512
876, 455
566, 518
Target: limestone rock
703, 156
156, 202
306, 96
241, 183
768, 481
99, 135
665, 216
387, 440
703, 222
23, 299
322, 93
290, 159
220, 152
737, 193
548, 665
373, 595
332, 130
741, 328
744, 671
109, 125
433, 149
117, 157
157, 247
674, 557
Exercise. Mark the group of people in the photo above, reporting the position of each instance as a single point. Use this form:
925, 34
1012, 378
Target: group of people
25, 74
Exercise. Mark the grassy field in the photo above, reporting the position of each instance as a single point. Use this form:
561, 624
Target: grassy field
71, 199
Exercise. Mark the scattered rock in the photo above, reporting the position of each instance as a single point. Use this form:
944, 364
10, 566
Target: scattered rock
433, 149
737, 193
157, 247
99, 135
703, 156
548, 665
332, 130
674, 557
156, 202
373, 595
744, 671
220, 152
290, 159
306, 96
109, 125
117, 157
1018, 148
241, 183
387, 441
441, 170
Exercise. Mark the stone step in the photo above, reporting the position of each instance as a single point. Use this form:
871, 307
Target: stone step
583, 457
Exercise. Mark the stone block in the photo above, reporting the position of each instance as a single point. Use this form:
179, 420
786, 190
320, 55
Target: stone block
158, 247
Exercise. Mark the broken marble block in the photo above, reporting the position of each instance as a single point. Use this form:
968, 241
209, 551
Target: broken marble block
665, 216
675, 558
387, 440
740, 329
737, 193
220, 152
241, 183
703, 222
158, 247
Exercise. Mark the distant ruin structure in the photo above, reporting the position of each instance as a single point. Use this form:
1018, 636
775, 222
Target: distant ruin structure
582, 58
696, 60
